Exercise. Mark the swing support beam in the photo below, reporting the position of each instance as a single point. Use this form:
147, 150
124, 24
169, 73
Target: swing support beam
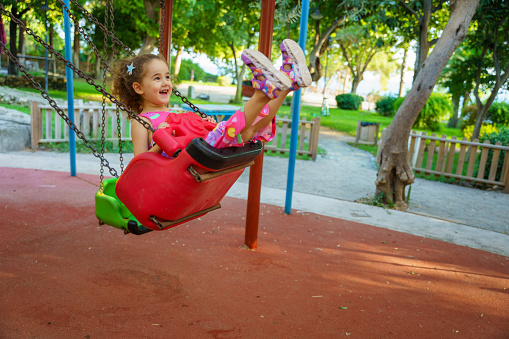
70, 89
255, 173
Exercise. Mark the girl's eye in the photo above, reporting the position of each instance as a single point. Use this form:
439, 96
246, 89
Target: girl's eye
156, 78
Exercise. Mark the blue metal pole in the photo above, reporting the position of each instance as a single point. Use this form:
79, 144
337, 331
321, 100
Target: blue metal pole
296, 112
70, 89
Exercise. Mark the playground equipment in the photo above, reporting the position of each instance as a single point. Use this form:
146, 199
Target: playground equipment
162, 184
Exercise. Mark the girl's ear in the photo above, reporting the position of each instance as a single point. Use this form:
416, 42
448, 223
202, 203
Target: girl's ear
137, 88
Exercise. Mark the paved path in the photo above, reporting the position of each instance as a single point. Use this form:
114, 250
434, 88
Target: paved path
348, 173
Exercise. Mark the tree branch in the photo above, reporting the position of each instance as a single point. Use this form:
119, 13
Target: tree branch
432, 42
410, 10
345, 54
438, 6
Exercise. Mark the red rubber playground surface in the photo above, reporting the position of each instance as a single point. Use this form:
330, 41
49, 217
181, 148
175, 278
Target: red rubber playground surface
64, 276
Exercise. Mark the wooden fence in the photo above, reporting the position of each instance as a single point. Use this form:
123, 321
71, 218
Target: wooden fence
47, 126
458, 159
309, 132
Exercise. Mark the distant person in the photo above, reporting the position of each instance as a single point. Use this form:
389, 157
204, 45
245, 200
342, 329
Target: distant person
143, 84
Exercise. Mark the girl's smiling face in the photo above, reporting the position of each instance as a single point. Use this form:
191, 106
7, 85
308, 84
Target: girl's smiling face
155, 88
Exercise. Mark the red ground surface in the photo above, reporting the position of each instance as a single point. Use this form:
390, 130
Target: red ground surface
63, 276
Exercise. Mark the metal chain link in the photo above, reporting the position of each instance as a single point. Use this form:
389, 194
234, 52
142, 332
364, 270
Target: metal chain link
80, 73
103, 103
162, 5
117, 110
127, 49
95, 21
59, 111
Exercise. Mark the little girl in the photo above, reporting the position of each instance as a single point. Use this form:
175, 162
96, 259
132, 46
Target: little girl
143, 84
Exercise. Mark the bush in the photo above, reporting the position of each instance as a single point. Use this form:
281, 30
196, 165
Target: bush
485, 129
498, 113
385, 106
468, 115
438, 107
349, 101
503, 136
224, 80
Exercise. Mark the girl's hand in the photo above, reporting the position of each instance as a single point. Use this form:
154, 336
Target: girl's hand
210, 119
163, 125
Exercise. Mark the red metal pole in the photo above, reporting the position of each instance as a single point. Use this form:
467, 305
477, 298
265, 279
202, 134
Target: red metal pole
168, 19
255, 172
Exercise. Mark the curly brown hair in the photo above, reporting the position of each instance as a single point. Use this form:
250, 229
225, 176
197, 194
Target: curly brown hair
122, 82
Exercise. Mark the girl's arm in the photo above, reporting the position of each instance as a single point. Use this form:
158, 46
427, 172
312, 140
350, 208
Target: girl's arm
141, 138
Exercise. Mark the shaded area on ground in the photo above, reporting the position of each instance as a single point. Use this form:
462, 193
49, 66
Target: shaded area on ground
312, 276
349, 173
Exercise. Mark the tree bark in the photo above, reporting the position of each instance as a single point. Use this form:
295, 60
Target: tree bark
355, 83
423, 45
152, 13
76, 50
501, 77
402, 76
395, 172
178, 61
453, 121
320, 47
13, 32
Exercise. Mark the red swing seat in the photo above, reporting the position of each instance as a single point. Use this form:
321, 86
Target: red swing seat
164, 192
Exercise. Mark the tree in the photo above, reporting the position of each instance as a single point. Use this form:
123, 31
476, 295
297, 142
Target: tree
491, 54
395, 173
458, 77
419, 20
18, 10
359, 45
333, 16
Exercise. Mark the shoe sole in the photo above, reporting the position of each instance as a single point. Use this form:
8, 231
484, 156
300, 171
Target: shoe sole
278, 78
297, 55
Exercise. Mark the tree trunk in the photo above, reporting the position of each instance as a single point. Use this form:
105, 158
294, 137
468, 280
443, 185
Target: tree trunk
21, 40
423, 44
315, 68
76, 50
402, 77
178, 61
395, 173
152, 13
355, 83
453, 121
13, 33
240, 77
98, 73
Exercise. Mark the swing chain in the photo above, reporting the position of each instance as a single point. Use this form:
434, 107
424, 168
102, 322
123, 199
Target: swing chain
161, 25
127, 49
80, 73
95, 21
117, 110
59, 111
187, 102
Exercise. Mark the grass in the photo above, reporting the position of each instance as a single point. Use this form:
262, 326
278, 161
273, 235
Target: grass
23, 109
339, 120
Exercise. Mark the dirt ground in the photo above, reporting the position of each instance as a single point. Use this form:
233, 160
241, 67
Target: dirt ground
63, 276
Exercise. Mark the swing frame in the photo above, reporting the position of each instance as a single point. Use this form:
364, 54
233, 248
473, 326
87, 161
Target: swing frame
265, 42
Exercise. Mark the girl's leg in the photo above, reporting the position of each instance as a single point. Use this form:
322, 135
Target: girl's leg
295, 67
270, 85
271, 88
